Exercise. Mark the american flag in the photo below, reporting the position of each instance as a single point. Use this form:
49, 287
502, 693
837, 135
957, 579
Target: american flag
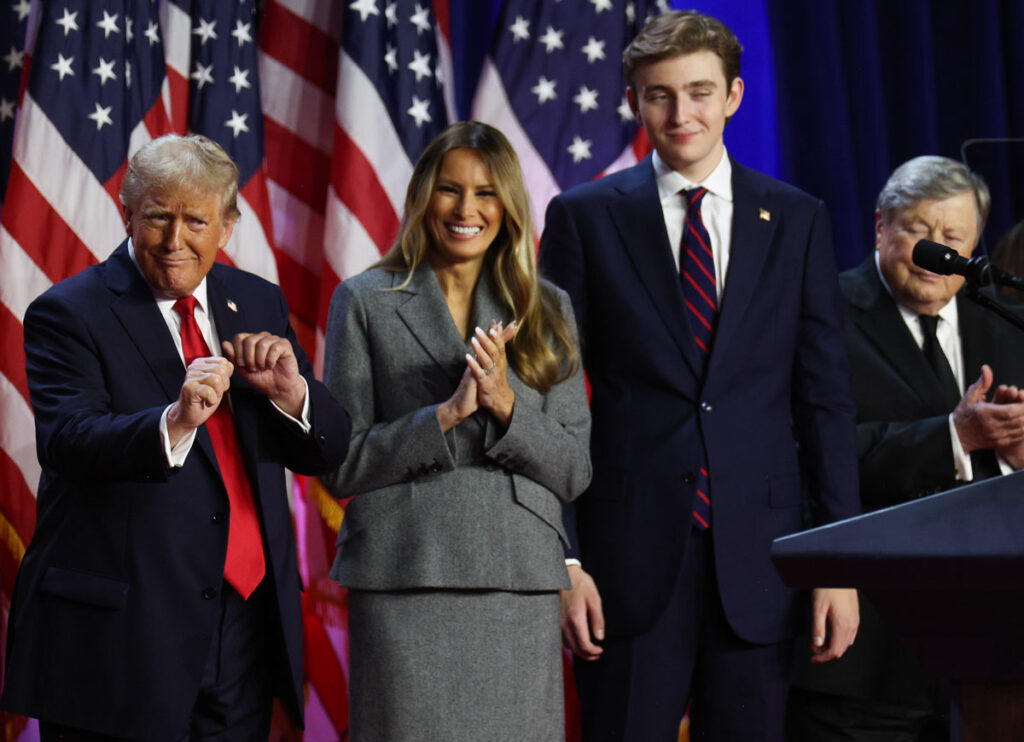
391, 102
12, 44
17, 511
554, 85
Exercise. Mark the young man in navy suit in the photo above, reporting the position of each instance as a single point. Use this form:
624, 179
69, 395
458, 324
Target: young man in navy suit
159, 596
711, 332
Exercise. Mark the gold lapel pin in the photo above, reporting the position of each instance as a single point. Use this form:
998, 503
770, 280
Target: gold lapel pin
764, 215
232, 306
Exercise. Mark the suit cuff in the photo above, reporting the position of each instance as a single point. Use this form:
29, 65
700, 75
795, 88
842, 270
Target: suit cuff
961, 459
175, 457
303, 423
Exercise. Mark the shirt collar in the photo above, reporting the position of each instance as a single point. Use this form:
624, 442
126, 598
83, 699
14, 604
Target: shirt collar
670, 182
163, 301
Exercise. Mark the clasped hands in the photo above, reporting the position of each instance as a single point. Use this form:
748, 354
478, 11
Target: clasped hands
265, 361
997, 424
484, 383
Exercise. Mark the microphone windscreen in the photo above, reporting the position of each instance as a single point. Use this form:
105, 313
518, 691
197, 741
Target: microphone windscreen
935, 257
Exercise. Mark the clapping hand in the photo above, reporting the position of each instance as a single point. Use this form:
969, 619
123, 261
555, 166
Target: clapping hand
490, 370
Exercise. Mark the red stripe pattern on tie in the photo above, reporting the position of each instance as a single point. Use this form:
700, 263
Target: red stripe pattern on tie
697, 263
245, 564
700, 290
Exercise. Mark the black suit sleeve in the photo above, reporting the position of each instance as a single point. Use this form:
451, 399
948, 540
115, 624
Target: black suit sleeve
902, 461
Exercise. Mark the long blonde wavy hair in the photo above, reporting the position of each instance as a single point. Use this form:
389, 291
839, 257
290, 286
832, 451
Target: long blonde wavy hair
543, 351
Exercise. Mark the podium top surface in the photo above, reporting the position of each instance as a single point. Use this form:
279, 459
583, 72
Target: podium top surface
968, 538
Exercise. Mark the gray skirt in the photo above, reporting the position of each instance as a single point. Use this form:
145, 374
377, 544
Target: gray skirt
455, 665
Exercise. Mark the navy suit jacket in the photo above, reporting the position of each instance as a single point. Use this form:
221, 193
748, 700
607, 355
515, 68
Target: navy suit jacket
115, 601
773, 414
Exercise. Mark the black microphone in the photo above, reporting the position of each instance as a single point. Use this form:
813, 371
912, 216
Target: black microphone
946, 261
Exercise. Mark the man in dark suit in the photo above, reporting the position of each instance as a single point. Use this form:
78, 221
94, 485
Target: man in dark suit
710, 326
931, 416
159, 596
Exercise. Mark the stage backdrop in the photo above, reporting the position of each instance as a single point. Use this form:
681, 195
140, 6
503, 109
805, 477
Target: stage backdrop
325, 105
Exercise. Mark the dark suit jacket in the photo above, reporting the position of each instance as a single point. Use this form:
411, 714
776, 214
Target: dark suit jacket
773, 415
905, 453
115, 601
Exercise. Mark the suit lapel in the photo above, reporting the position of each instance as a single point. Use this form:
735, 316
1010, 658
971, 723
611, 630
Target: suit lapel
426, 315
880, 322
640, 222
228, 312
751, 242
136, 309
137, 312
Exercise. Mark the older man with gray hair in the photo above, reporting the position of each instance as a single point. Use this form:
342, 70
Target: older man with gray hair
935, 380
159, 598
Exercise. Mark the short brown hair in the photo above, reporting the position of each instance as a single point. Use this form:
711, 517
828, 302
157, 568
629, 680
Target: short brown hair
682, 32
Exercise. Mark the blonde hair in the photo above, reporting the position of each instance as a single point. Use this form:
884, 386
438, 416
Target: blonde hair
172, 161
543, 351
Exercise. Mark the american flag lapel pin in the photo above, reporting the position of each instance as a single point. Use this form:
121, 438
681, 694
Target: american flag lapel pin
764, 215
232, 306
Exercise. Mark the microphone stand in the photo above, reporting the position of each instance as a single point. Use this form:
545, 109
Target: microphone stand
974, 294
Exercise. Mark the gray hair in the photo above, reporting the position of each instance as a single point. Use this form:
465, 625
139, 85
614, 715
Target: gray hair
931, 178
173, 161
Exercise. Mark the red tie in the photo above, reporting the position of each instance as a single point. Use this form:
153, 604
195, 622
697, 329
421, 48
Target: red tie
245, 565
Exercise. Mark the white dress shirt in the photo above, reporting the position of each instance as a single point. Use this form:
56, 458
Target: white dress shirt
716, 210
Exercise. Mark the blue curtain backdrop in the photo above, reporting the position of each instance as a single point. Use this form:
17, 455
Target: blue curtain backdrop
840, 92
863, 85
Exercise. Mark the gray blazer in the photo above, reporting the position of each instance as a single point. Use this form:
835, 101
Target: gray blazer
476, 507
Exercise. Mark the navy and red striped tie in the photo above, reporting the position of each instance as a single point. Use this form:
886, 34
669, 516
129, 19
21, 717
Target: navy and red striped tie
700, 290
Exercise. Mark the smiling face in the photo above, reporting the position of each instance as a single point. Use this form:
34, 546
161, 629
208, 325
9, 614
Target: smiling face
176, 234
465, 212
950, 221
683, 103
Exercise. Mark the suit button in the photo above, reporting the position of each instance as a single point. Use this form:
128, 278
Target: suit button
322, 438
209, 593
705, 407
436, 467
217, 517
688, 478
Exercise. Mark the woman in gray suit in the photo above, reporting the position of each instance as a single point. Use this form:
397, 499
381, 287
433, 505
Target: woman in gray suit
470, 424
